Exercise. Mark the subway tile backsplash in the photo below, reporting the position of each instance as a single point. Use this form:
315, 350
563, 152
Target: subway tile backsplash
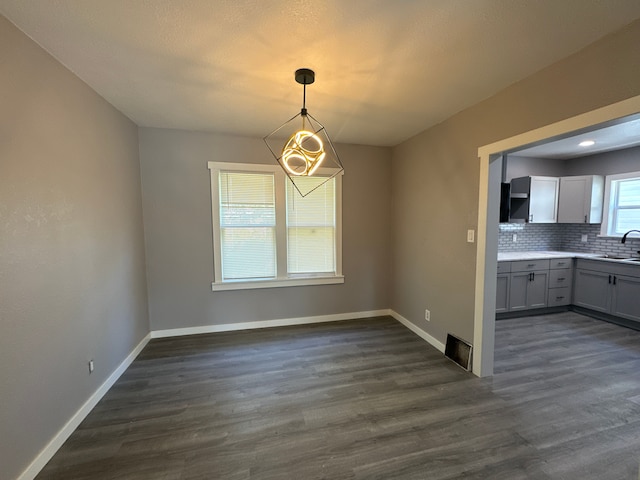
529, 237
561, 236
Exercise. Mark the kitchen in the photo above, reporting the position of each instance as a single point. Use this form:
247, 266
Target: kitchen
565, 210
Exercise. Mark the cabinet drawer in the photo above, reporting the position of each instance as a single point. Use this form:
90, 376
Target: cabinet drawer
558, 263
504, 267
559, 278
529, 265
559, 297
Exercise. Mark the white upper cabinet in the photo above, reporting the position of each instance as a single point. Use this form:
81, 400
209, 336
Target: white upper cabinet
581, 199
544, 200
535, 199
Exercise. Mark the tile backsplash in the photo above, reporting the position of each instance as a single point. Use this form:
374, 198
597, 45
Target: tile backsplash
561, 236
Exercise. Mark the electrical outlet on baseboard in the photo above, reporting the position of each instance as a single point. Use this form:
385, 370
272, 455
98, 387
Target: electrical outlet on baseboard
427, 315
91, 366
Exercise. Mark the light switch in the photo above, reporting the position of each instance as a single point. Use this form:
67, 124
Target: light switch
471, 236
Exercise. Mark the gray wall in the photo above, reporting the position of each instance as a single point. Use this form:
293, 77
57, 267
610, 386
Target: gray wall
177, 222
608, 163
527, 166
435, 176
72, 284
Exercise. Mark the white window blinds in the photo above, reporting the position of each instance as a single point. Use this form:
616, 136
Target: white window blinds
311, 228
627, 206
247, 225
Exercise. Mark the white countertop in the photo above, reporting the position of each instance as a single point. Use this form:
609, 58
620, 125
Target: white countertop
543, 255
515, 256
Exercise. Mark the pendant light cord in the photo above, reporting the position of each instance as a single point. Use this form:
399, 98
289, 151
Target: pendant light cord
304, 96
303, 112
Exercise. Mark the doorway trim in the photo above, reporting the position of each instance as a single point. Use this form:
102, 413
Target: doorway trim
490, 157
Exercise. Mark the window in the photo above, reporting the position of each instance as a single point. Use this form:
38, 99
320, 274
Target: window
266, 235
621, 204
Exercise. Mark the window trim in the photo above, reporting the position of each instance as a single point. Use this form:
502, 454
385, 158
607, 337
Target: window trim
607, 218
282, 278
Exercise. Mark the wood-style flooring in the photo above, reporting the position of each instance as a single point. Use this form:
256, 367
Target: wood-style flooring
368, 399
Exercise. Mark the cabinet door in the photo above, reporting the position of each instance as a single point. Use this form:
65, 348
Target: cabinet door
543, 200
580, 199
625, 301
593, 290
502, 293
518, 291
572, 203
537, 290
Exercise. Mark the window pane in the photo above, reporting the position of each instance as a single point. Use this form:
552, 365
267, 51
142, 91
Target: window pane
247, 225
311, 228
627, 219
248, 253
311, 250
247, 199
629, 193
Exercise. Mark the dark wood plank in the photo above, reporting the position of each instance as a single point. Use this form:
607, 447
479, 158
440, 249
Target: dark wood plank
368, 399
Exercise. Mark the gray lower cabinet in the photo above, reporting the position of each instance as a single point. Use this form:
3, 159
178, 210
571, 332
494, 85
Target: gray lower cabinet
528, 290
560, 282
592, 290
529, 284
608, 288
625, 299
604, 287
502, 293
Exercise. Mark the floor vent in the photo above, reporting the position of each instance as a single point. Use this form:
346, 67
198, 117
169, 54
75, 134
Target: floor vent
459, 351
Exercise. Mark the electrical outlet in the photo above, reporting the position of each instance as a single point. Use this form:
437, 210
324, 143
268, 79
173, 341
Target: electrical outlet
427, 315
471, 236
91, 366
584, 238
515, 237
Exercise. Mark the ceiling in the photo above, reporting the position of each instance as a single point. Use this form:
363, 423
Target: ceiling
385, 69
612, 137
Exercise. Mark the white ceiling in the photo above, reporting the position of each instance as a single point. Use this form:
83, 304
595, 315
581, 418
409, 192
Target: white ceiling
385, 69
609, 138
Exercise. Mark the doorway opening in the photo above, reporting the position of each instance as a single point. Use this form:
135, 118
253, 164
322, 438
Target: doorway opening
490, 157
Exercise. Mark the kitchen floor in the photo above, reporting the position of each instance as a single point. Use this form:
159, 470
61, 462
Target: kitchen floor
368, 399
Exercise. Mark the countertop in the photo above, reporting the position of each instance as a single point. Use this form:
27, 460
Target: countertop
543, 255
515, 256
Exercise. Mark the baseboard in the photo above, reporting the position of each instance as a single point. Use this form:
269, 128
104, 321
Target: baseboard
418, 331
284, 322
52, 447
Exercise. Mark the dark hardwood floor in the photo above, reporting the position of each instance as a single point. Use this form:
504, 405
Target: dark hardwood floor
368, 399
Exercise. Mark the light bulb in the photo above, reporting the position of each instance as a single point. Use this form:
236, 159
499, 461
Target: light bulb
298, 158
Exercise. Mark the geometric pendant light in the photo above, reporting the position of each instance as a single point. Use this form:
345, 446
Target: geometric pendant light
302, 146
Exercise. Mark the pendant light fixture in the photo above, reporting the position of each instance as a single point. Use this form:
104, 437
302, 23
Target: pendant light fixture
302, 146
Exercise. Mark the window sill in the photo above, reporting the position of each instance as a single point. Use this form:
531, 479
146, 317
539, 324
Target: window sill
280, 282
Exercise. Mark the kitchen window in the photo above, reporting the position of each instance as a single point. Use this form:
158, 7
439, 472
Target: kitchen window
621, 204
266, 235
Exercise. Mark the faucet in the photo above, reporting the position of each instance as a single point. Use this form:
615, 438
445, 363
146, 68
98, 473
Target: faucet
624, 237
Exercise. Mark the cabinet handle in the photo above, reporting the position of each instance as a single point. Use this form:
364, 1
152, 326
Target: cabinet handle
531, 265
531, 217
561, 279
560, 263
533, 276
615, 279
585, 219
559, 298
609, 278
